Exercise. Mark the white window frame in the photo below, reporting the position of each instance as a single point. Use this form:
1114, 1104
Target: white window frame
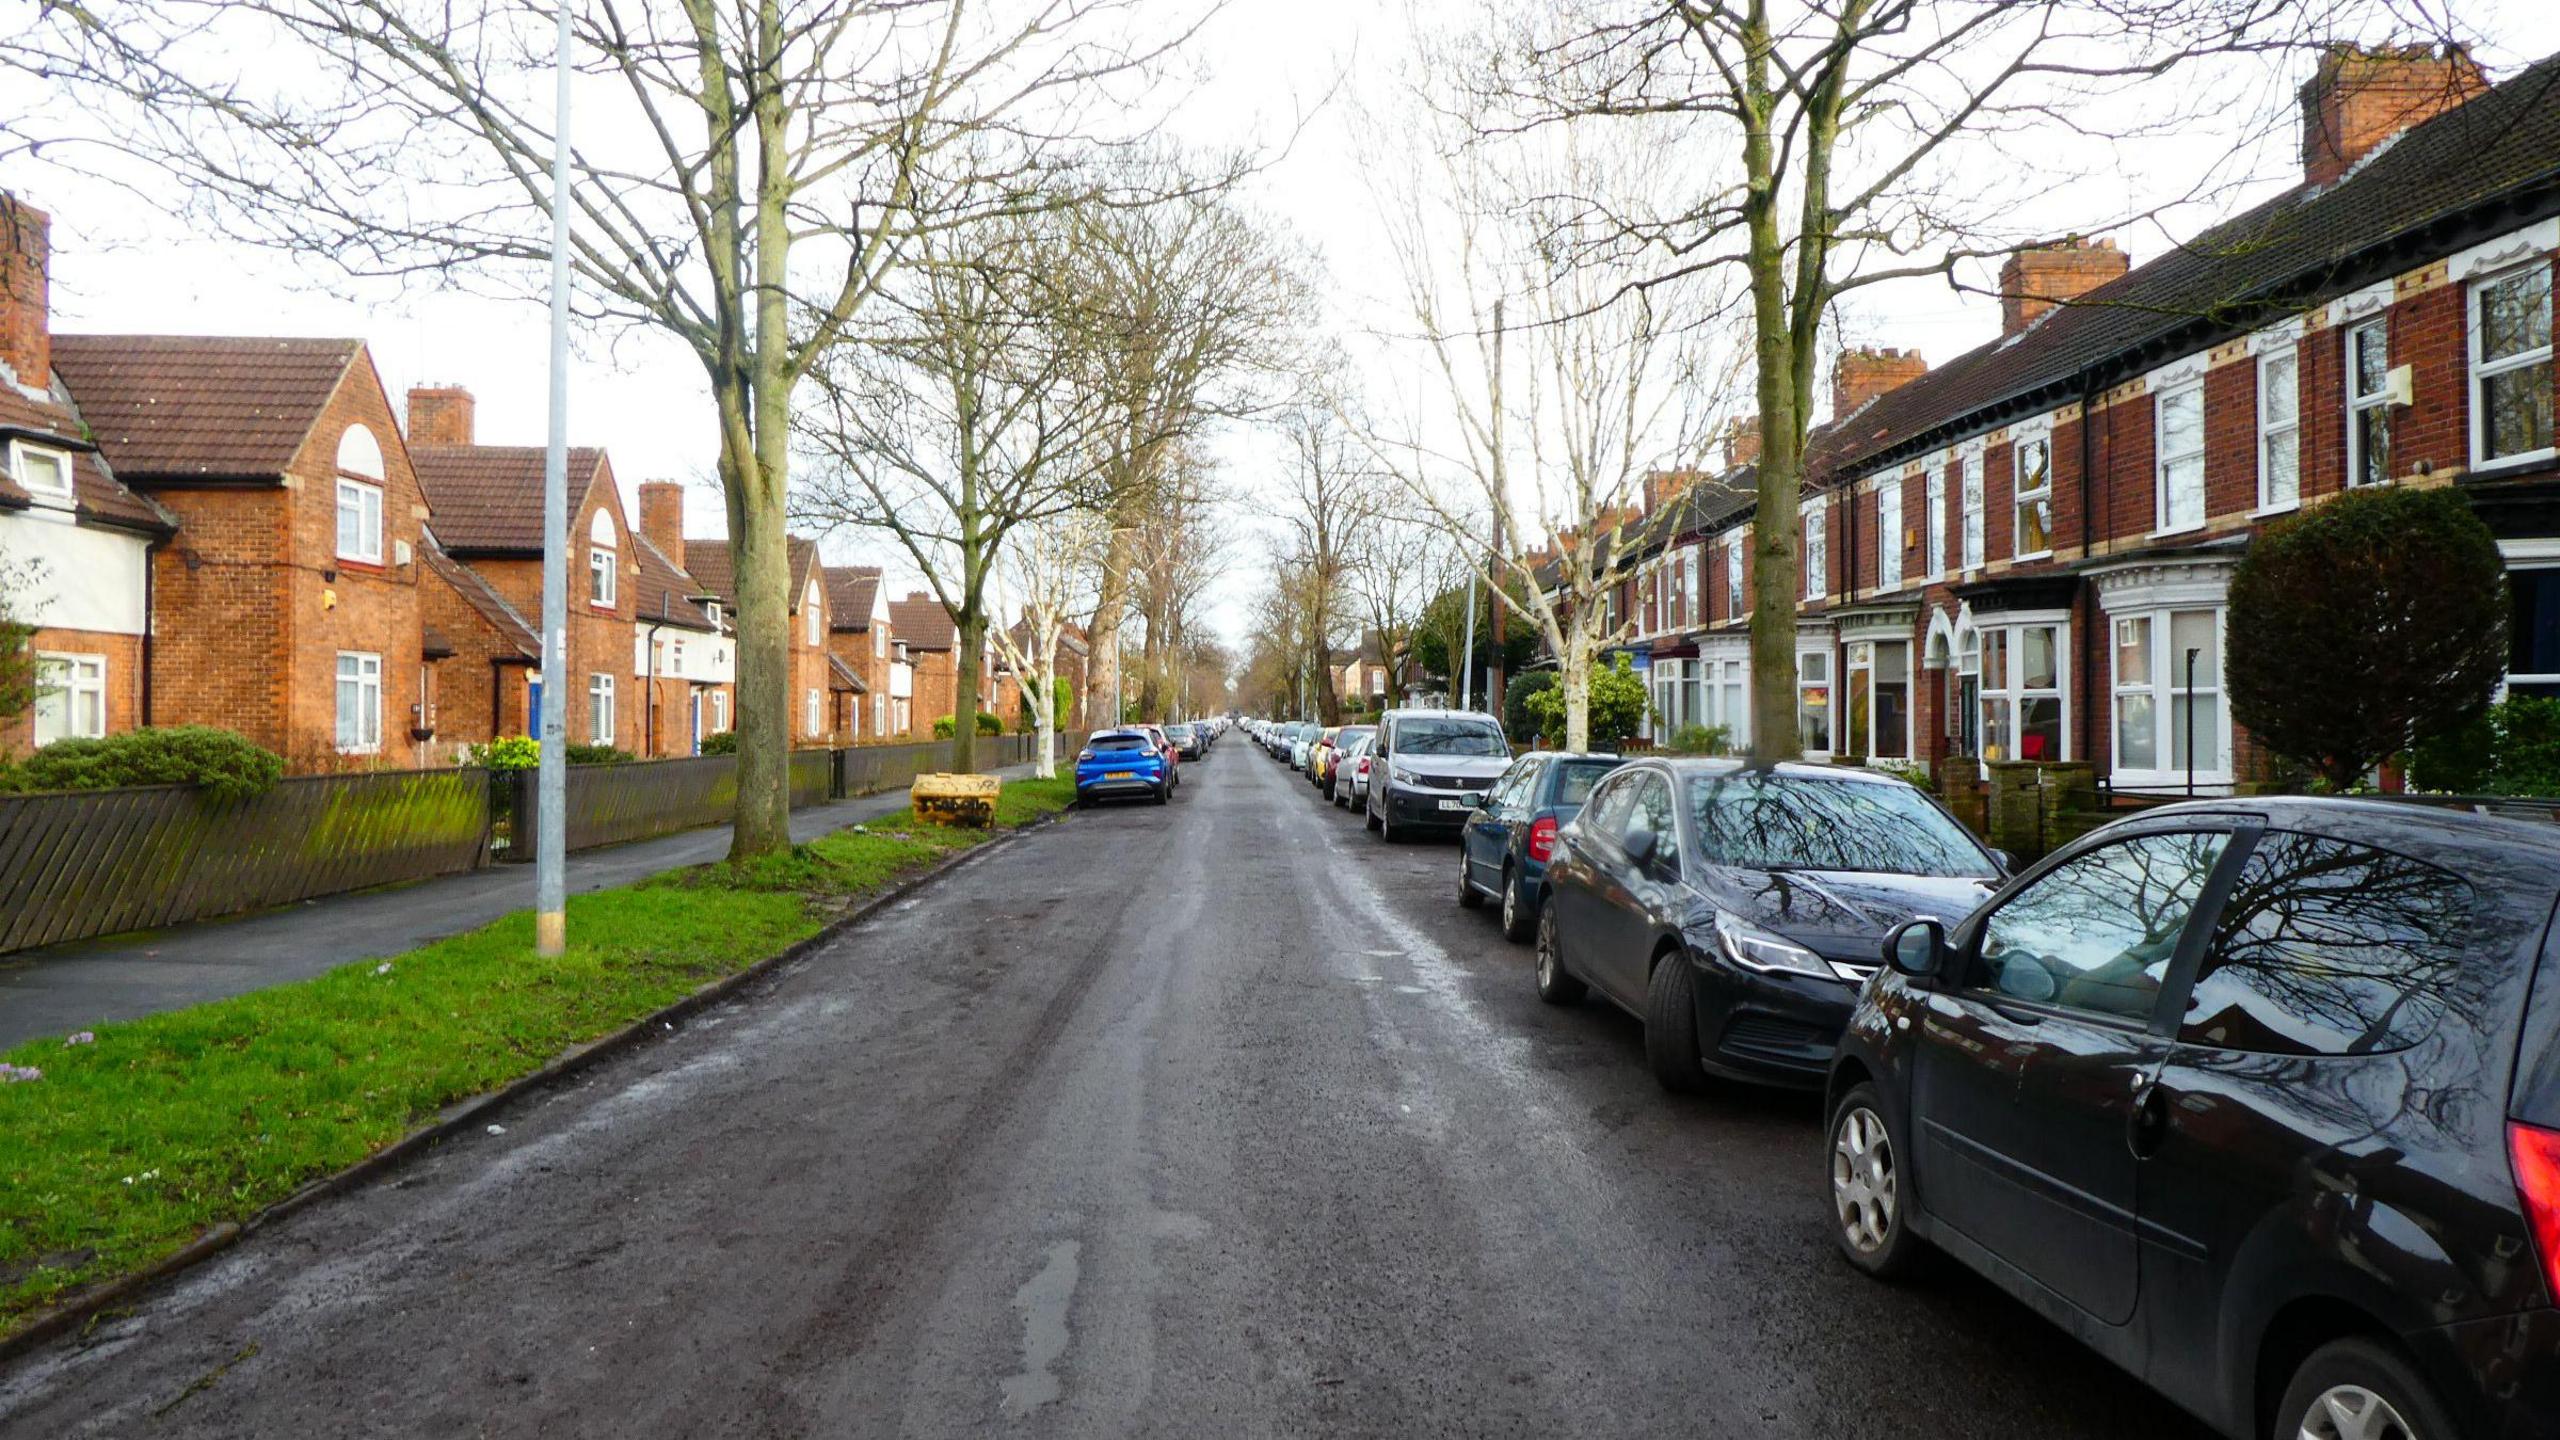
1862, 656
23, 454
2484, 370
1934, 493
366, 498
2010, 690
813, 617
2020, 497
1973, 502
602, 719
602, 584
2357, 404
2165, 462
77, 682
361, 669
1693, 611
719, 710
813, 711
1889, 534
1736, 603
1818, 650
2164, 687
2279, 436
1815, 527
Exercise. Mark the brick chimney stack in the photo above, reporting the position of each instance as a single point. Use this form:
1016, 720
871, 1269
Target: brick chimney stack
2035, 281
26, 328
662, 516
440, 415
1865, 372
1741, 441
2358, 98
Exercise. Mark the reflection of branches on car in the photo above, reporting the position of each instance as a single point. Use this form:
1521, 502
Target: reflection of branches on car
1756, 819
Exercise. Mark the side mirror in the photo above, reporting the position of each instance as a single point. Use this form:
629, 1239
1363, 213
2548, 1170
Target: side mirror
1638, 844
2008, 861
1917, 948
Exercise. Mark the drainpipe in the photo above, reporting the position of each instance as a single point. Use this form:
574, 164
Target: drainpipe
150, 578
2088, 533
649, 678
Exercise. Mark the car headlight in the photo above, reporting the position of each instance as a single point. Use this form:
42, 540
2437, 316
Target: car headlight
1753, 948
1402, 776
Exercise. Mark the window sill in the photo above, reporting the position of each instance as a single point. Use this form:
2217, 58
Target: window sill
2167, 532
2265, 511
2032, 555
2511, 464
373, 566
2158, 780
359, 750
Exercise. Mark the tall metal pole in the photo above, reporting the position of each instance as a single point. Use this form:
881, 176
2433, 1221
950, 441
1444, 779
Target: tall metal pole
551, 827
1467, 657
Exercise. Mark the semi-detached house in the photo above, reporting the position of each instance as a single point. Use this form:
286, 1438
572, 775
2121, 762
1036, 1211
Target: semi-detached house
2024, 554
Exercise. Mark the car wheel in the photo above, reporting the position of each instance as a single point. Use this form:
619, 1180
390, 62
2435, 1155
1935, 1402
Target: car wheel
1671, 1027
1387, 830
1556, 984
1517, 920
1866, 1188
1164, 794
1468, 897
1369, 818
2360, 1390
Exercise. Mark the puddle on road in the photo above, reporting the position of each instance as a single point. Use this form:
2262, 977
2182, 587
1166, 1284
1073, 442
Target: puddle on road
1043, 1303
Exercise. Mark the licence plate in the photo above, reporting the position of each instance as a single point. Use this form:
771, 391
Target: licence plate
1120, 775
1459, 804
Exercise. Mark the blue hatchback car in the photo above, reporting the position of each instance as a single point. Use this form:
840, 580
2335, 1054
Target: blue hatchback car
1504, 849
1122, 764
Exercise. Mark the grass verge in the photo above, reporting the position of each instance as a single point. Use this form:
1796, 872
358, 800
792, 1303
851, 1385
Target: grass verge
132, 1145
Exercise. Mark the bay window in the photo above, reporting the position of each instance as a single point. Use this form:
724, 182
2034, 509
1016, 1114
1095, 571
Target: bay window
71, 698
359, 703
2511, 366
2179, 444
2023, 702
2170, 720
1813, 700
2279, 429
1971, 479
2031, 533
1889, 535
1879, 706
2368, 403
1967, 711
1723, 692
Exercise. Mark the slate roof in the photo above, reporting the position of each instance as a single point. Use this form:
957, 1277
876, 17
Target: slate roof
851, 591
200, 407
708, 562
2493, 162
95, 493
922, 623
664, 592
487, 499
502, 617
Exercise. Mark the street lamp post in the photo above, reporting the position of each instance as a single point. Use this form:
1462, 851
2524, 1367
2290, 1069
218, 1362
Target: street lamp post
551, 825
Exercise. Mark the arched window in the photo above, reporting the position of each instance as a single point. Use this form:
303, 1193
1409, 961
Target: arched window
359, 454
602, 571
359, 496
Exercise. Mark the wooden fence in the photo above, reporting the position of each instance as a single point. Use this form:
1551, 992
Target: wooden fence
83, 863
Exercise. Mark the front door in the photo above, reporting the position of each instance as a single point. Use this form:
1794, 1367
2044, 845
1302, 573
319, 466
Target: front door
697, 722
2030, 1066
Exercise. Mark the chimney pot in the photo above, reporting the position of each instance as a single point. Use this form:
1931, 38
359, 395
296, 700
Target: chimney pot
26, 262
1741, 442
2035, 281
2358, 98
440, 415
662, 517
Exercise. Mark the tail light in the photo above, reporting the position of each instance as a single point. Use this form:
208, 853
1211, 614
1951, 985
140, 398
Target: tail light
2536, 1154
1364, 767
1542, 839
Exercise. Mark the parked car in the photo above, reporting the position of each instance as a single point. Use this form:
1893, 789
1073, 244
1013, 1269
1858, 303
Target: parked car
1302, 738
1351, 773
1319, 753
1735, 909
1188, 741
1164, 744
1329, 778
1430, 768
1504, 850
2259, 1099
1123, 764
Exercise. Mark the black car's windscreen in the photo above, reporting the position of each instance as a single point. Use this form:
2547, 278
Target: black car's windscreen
1117, 742
2538, 1062
1762, 821
1575, 779
1449, 737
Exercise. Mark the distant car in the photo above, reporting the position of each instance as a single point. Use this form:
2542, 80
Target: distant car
1430, 769
1187, 740
1511, 836
2260, 1099
1302, 739
1351, 773
1735, 909
1124, 764
1319, 753
1328, 776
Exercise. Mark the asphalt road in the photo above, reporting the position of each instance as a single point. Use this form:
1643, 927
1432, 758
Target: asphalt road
1218, 1119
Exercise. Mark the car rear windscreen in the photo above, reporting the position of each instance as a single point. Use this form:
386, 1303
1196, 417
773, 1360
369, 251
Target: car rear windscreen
1119, 742
1574, 780
2538, 1060
1450, 737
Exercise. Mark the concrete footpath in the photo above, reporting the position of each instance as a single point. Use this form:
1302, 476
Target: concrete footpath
64, 988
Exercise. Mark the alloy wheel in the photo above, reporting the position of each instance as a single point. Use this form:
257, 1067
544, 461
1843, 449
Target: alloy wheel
2351, 1412
1510, 906
1863, 1179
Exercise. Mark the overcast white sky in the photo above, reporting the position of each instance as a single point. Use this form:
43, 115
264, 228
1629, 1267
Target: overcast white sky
1264, 73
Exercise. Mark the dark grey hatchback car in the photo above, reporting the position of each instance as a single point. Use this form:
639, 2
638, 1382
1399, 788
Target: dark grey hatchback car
2260, 1100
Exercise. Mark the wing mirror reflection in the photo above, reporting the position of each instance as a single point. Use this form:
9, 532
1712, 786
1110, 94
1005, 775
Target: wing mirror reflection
1917, 948
1638, 843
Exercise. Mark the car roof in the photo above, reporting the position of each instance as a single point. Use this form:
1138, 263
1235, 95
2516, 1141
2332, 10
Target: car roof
1436, 715
1791, 769
2360, 818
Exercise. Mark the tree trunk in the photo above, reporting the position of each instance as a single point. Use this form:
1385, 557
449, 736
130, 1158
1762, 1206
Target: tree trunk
1044, 761
1576, 680
759, 554
967, 664
1110, 607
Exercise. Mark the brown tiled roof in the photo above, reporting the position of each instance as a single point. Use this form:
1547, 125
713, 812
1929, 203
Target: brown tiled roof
664, 591
851, 589
921, 622
502, 617
708, 562
95, 494
844, 677
487, 499
200, 407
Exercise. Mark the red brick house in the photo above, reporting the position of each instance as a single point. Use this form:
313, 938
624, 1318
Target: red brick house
860, 641
811, 675
487, 503
2024, 553
490, 651
921, 624
686, 660
78, 543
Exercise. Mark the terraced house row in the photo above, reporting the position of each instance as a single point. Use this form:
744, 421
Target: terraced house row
2023, 554
241, 531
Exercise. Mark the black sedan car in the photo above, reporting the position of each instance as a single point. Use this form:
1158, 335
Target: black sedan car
2261, 1100
1508, 841
1735, 908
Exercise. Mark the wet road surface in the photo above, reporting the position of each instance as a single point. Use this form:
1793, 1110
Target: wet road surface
1216, 1119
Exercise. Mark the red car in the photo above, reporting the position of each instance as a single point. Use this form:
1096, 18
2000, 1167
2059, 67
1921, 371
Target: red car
1172, 752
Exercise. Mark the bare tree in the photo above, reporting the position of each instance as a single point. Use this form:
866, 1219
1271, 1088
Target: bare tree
748, 175
1172, 553
1866, 141
1052, 564
1329, 502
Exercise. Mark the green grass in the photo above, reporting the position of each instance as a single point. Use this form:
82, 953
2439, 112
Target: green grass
130, 1147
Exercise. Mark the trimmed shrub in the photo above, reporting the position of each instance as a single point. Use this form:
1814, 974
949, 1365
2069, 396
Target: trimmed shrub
1617, 704
223, 762
598, 755
507, 752
943, 728
724, 742
1701, 740
989, 725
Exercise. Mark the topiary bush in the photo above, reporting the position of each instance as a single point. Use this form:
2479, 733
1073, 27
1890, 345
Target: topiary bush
223, 762
2512, 749
2364, 625
989, 725
724, 742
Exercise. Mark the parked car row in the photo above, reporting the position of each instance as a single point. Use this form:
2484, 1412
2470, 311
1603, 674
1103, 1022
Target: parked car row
2260, 1099
1141, 762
